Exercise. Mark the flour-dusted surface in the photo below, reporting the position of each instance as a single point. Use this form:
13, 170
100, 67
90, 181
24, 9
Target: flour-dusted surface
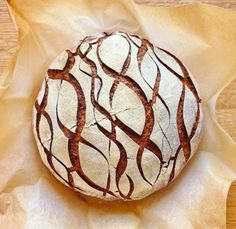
117, 117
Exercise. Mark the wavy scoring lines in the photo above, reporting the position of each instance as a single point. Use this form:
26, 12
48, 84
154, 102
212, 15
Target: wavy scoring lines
40, 109
142, 50
122, 164
74, 138
186, 81
185, 144
142, 140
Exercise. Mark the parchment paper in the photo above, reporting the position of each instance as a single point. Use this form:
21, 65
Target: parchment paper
202, 36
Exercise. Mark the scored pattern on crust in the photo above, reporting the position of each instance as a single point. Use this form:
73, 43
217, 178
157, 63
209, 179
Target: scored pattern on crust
74, 137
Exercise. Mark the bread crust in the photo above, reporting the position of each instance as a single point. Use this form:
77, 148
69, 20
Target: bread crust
117, 117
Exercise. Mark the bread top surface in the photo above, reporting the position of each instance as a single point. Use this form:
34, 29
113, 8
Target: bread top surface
117, 117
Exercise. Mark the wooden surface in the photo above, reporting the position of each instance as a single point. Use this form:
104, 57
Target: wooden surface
8, 36
230, 4
226, 105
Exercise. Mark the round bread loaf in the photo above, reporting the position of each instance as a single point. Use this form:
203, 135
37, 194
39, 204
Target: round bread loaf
117, 117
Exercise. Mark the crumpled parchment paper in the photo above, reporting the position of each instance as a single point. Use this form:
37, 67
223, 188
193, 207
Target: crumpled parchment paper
202, 36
